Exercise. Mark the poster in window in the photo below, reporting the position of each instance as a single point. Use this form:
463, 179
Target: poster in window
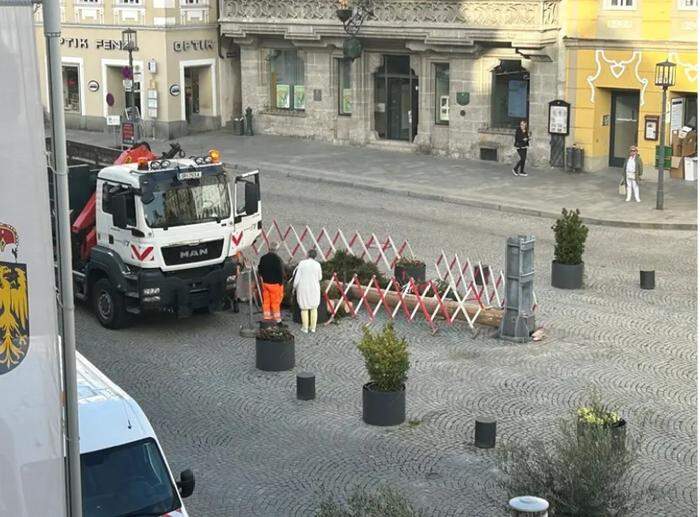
347, 100
283, 96
444, 108
299, 97
677, 108
517, 99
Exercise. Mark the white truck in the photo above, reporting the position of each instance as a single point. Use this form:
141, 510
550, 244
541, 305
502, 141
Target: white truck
163, 234
123, 469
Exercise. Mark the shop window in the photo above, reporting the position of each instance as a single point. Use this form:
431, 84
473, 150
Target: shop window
620, 4
510, 95
442, 93
687, 5
344, 86
287, 80
71, 88
690, 116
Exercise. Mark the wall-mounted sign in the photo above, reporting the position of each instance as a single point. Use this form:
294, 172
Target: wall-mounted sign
84, 43
318, 95
113, 120
462, 98
174, 90
184, 46
677, 112
606, 120
152, 66
559, 117
651, 127
110, 99
352, 48
93, 85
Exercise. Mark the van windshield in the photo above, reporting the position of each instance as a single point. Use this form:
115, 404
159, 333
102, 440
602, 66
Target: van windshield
188, 202
127, 480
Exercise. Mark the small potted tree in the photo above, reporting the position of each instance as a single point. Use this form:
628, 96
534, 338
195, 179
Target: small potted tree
406, 268
570, 241
597, 418
386, 360
274, 349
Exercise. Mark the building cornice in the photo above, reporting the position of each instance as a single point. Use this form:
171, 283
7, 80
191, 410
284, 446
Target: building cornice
155, 28
597, 43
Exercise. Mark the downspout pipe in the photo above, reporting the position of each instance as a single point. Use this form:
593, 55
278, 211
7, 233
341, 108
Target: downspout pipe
52, 33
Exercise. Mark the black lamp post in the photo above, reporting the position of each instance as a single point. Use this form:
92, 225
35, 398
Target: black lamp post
664, 77
129, 44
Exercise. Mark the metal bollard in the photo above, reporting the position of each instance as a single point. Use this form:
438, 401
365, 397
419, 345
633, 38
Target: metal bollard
528, 506
485, 432
647, 279
306, 386
249, 330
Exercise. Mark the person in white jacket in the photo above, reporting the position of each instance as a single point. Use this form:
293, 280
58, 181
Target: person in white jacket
307, 284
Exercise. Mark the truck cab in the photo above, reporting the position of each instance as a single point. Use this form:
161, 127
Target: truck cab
167, 236
123, 469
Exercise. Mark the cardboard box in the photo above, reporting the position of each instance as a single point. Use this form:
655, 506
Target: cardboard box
689, 145
675, 143
677, 173
676, 161
690, 169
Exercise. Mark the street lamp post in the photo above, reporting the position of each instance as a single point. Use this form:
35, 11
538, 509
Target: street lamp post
352, 19
664, 77
129, 44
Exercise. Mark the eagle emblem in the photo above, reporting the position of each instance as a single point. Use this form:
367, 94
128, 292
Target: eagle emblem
14, 304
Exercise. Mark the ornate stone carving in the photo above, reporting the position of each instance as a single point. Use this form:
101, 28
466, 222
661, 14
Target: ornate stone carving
478, 13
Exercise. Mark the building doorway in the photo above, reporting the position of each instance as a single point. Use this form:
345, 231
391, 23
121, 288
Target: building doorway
624, 125
191, 93
396, 99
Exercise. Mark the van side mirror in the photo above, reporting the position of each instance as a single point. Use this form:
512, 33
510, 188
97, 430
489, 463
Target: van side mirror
186, 483
118, 202
252, 197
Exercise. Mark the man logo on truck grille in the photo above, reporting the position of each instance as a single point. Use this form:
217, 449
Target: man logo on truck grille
14, 305
194, 253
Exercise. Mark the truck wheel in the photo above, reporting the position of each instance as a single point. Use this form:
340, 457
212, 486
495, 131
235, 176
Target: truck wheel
109, 305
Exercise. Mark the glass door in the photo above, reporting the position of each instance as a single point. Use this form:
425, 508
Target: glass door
396, 99
624, 122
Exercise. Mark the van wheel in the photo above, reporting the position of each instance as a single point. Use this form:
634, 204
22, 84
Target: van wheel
109, 305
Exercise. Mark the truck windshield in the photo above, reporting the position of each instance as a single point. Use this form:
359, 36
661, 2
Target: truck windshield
127, 480
189, 202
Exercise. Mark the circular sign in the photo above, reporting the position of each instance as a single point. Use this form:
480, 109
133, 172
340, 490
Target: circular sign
110, 99
174, 90
352, 48
93, 86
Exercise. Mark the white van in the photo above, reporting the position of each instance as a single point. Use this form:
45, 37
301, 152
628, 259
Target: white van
123, 469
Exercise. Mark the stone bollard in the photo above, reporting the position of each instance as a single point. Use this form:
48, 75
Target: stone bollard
485, 432
647, 279
306, 386
528, 506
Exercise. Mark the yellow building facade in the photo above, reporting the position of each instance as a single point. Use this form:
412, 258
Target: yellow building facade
184, 79
611, 50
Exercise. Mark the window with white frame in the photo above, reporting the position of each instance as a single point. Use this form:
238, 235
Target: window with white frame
687, 5
620, 4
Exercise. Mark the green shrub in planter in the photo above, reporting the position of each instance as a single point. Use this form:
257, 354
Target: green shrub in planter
386, 358
346, 265
570, 241
384, 502
570, 238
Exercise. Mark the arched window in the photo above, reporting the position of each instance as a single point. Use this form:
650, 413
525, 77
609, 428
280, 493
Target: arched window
510, 94
287, 80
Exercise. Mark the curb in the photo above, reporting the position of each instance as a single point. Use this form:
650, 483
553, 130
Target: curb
480, 204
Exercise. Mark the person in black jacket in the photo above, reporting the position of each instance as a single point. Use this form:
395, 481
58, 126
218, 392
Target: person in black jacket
271, 271
522, 141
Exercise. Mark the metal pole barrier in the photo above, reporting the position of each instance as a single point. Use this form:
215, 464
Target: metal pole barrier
52, 32
249, 330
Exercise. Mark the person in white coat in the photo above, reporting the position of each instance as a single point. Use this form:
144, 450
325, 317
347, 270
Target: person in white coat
307, 284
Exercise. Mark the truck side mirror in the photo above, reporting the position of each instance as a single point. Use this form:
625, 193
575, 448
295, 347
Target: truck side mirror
252, 197
118, 202
186, 483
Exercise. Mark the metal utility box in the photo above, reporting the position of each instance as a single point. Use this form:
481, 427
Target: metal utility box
518, 318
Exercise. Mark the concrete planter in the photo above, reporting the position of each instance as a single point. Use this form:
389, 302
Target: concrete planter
567, 276
274, 356
383, 408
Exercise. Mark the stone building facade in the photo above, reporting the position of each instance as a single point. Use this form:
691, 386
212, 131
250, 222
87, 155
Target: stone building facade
449, 77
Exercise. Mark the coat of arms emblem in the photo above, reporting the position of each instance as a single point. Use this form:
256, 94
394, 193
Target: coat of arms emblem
14, 303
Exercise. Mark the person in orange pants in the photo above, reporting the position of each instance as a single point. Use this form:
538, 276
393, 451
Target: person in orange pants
271, 271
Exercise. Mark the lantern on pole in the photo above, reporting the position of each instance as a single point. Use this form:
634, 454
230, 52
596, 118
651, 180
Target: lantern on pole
664, 77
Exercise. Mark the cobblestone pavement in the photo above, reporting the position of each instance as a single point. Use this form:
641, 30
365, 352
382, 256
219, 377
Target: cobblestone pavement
257, 451
472, 182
